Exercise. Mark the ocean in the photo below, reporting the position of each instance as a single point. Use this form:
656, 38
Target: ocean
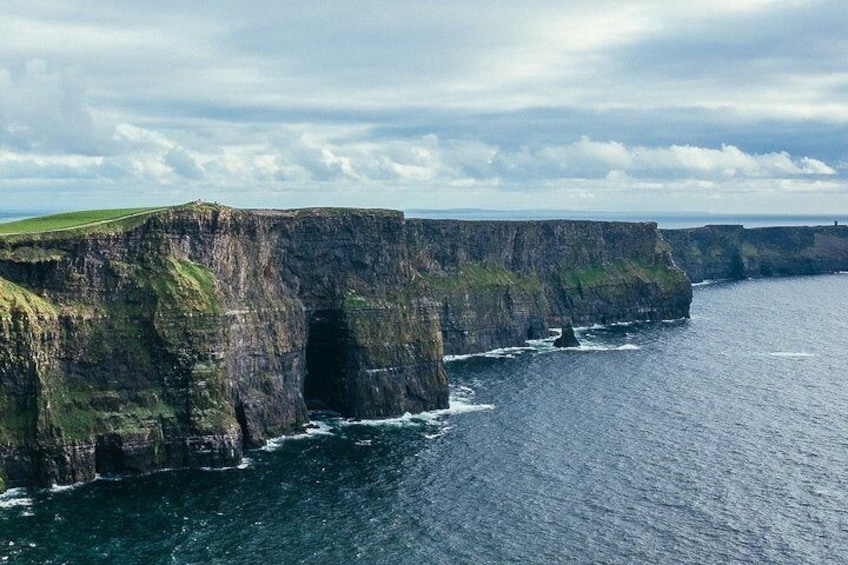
718, 439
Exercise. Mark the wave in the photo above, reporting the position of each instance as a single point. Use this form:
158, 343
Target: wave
14, 498
585, 335
457, 406
546, 345
791, 354
64, 488
443, 431
315, 428
460, 402
500, 353
243, 464
118, 477
593, 347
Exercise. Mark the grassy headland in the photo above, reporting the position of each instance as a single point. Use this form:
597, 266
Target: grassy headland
70, 220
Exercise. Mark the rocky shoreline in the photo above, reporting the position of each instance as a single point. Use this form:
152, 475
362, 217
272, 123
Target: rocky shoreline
183, 337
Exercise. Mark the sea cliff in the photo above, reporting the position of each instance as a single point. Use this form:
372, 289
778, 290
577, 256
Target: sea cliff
183, 336
498, 283
719, 252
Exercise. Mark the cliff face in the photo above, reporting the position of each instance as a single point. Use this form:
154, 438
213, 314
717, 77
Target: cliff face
733, 252
500, 283
140, 352
178, 338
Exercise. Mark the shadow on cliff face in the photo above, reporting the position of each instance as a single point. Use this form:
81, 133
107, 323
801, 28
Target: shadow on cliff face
372, 358
327, 362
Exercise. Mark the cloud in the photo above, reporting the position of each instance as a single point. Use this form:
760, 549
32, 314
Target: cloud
592, 159
45, 110
182, 164
609, 103
21, 166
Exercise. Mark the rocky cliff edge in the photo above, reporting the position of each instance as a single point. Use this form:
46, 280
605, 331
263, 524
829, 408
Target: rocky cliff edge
719, 252
180, 337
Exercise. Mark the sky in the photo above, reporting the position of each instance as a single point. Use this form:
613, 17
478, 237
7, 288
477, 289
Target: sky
599, 105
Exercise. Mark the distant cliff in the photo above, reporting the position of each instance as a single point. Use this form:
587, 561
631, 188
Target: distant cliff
180, 337
733, 252
498, 283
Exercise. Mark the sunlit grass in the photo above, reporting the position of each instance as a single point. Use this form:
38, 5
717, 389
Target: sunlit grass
69, 220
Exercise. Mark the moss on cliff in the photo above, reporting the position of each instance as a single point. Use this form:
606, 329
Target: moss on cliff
17, 298
620, 272
81, 411
209, 408
182, 286
474, 275
113, 378
354, 300
31, 254
389, 331
16, 423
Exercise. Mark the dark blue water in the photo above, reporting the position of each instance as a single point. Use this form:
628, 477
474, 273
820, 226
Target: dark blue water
719, 439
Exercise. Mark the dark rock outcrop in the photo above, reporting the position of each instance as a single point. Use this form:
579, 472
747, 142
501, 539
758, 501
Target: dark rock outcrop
183, 336
567, 337
720, 252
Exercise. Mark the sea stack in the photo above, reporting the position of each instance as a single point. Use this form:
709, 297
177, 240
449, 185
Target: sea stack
567, 337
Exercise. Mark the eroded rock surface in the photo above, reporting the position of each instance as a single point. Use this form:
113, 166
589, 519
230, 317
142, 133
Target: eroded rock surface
181, 337
734, 252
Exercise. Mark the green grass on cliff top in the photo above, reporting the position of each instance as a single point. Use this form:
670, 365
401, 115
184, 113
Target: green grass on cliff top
70, 220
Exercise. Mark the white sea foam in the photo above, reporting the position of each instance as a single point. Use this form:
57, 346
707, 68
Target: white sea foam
463, 406
314, 429
64, 488
406, 419
592, 327
443, 431
500, 353
458, 405
15, 497
791, 354
243, 464
596, 347
109, 478
546, 345
706, 282
449, 358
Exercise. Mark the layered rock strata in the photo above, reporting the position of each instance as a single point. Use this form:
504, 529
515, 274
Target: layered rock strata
500, 283
720, 252
181, 337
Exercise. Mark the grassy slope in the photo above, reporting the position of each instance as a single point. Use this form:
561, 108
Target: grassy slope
69, 220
